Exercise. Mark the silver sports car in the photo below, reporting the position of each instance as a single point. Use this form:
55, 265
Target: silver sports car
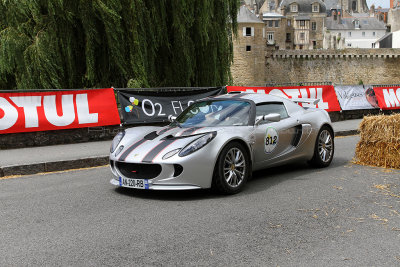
219, 141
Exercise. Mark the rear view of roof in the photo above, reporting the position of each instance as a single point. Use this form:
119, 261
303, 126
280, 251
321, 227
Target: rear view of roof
347, 24
245, 16
304, 6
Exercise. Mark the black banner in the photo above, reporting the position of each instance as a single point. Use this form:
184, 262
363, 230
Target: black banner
156, 104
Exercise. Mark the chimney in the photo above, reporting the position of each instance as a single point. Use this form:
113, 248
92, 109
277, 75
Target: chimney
391, 4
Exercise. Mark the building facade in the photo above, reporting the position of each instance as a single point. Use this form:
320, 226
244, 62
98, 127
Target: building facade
305, 21
357, 32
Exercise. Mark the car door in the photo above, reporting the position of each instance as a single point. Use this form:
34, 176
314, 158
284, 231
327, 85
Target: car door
273, 140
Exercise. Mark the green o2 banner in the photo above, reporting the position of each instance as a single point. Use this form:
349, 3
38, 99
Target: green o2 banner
156, 104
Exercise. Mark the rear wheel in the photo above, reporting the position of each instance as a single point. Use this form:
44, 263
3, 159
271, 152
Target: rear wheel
324, 148
232, 169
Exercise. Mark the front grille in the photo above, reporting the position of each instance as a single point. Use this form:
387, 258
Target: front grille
138, 170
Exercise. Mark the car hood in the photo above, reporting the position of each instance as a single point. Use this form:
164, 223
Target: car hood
147, 144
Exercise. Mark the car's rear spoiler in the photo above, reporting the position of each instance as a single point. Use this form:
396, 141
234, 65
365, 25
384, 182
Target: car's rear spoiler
305, 100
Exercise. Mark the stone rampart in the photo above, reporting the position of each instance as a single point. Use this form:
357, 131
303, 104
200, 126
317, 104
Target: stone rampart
349, 66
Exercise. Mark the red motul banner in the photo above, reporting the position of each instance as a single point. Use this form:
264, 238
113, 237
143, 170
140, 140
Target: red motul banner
388, 97
43, 111
325, 93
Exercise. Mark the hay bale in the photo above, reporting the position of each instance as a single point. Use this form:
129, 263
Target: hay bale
380, 141
383, 128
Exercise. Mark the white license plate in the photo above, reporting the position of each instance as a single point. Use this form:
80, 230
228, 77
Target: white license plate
134, 183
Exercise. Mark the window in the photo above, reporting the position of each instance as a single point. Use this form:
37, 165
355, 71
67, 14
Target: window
248, 31
363, 34
349, 44
373, 45
268, 108
289, 22
277, 23
270, 23
373, 34
356, 24
288, 37
293, 8
302, 36
313, 25
315, 8
248, 48
270, 38
349, 34
302, 22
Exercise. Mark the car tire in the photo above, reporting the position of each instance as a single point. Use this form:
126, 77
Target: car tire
232, 169
324, 148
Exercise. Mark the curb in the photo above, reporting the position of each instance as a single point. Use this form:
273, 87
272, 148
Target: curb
53, 166
347, 133
64, 165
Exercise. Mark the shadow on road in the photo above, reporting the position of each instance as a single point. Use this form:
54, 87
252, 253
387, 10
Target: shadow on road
261, 181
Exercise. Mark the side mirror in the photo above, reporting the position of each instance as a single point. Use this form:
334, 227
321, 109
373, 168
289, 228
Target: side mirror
171, 118
274, 117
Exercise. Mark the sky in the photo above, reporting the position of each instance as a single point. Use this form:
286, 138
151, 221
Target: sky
382, 3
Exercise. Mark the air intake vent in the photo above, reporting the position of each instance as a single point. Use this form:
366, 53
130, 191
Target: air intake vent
138, 170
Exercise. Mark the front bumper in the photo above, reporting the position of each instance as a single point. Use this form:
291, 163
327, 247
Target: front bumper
194, 171
152, 186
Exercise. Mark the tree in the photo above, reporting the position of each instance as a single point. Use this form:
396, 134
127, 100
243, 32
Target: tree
103, 43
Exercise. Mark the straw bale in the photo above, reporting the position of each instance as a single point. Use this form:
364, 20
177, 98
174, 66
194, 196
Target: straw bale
380, 128
380, 154
380, 141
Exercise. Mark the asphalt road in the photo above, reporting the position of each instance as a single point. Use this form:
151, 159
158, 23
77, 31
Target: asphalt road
344, 215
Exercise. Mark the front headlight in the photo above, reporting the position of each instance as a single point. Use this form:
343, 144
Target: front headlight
197, 144
117, 139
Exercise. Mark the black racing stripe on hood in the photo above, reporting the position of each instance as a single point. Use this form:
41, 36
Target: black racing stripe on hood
166, 129
156, 150
130, 149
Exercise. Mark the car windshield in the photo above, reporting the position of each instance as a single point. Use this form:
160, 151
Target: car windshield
215, 113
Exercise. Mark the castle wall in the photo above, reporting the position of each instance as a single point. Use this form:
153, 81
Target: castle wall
350, 66
371, 66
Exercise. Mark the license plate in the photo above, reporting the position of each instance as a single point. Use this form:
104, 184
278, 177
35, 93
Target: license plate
134, 183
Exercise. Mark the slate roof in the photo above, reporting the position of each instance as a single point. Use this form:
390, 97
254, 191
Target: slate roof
305, 6
245, 16
347, 24
332, 4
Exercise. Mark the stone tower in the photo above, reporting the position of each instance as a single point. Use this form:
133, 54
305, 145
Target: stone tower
249, 49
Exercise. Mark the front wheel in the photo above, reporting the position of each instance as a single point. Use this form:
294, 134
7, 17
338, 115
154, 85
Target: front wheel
324, 148
232, 169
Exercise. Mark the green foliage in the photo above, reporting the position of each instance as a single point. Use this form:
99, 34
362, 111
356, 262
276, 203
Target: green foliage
103, 43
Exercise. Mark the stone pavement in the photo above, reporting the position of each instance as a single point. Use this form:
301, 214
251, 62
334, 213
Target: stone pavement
31, 160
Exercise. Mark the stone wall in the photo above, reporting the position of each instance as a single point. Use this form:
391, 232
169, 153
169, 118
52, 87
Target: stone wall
350, 66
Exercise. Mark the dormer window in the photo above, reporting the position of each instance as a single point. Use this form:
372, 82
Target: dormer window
315, 7
294, 8
357, 24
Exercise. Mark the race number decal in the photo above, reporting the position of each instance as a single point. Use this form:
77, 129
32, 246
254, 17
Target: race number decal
271, 139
